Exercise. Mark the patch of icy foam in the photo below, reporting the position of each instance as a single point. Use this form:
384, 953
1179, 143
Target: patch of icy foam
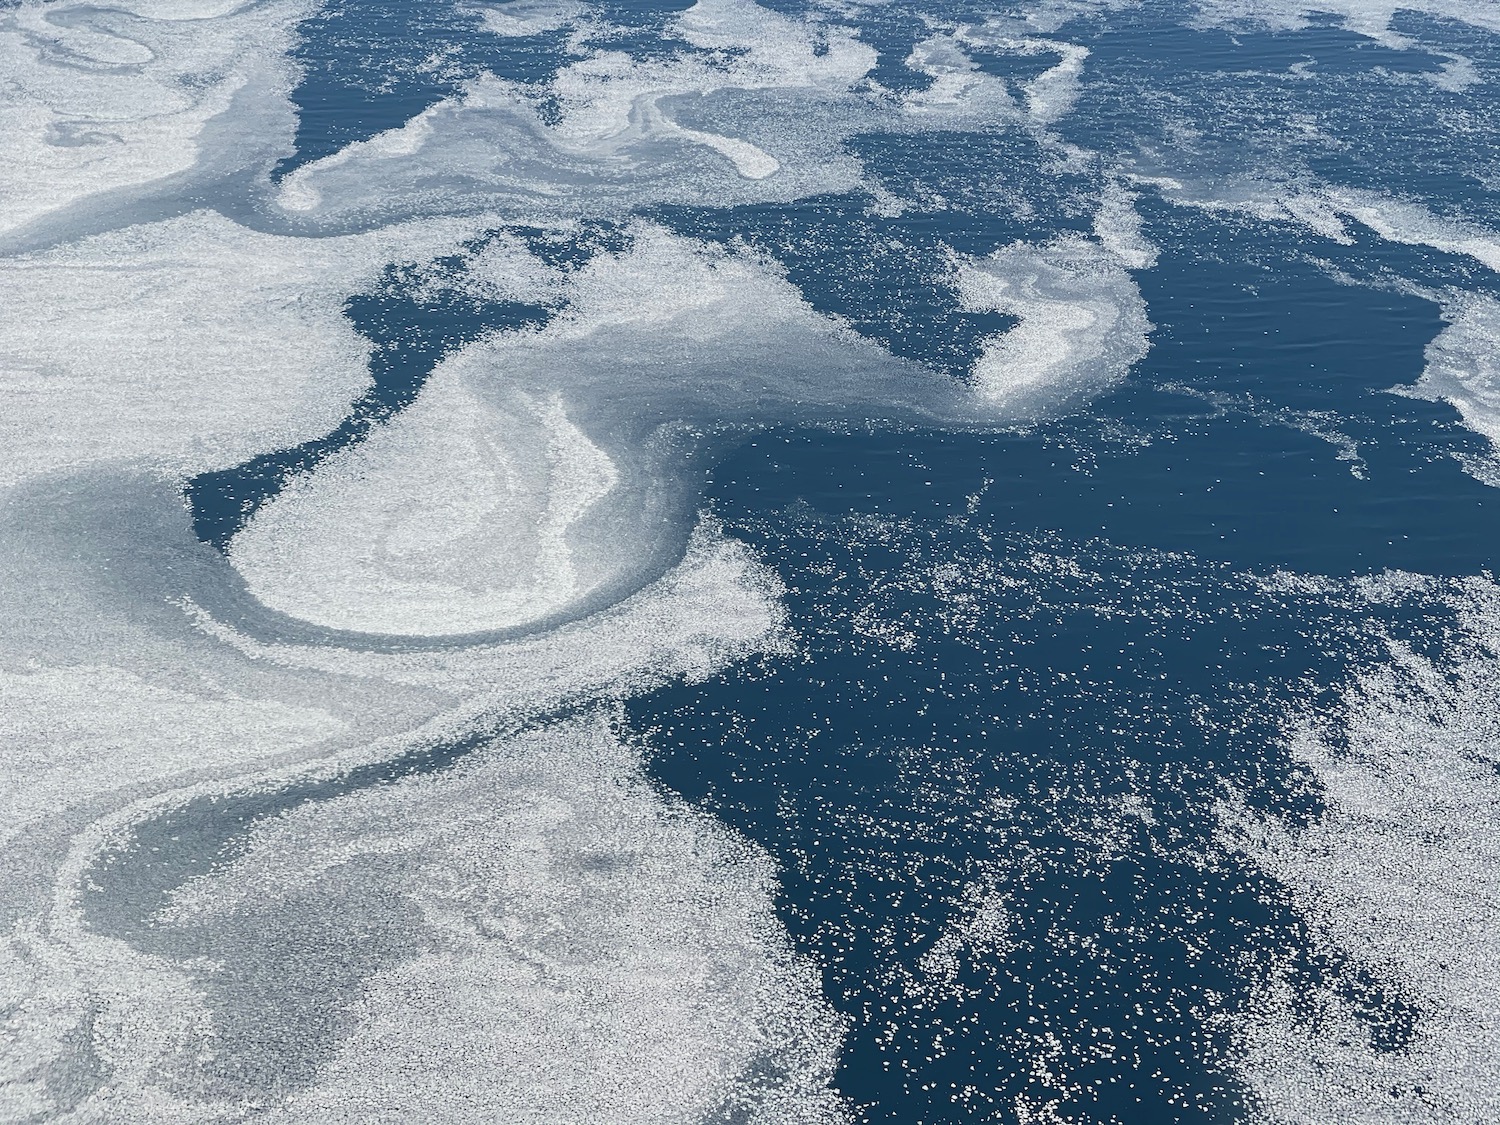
1401, 872
614, 139
1370, 18
190, 344
1463, 369
114, 99
454, 518
589, 950
1118, 227
1323, 210
75, 732
539, 469
544, 471
99, 1019
531, 17
960, 91
1082, 321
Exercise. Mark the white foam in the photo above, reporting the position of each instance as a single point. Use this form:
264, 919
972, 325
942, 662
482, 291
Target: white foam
76, 732
962, 96
1371, 18
1412, 224
453, 518
960, 91
580, 949
530, 17
1117, 226
102, 100
188, 345
1463, 369
1082, 321
1323, 209
595, 952
619, 133
1401, 872
537, 468
242, 704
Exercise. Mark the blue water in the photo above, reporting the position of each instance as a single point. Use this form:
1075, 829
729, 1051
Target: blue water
889, 770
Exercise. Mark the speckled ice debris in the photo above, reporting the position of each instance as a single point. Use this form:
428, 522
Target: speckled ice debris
1463, 368
1082, 321
1119, 229
530, 17
120, 100
960, 93
186, 345
1327, 209
1401, 872
591, 952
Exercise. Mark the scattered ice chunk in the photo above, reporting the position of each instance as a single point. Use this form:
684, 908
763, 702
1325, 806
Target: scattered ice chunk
1401, 872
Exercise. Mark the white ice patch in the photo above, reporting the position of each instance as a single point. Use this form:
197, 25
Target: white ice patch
75, 732
963, 96
623, 133
1324, 211
75, 997
1412, 224
1117, 226
187, 345
595, 952
537, 469
576, 948
1370, 18
1463, 369
1082, 321
115, 99
453, 518
531, 17
715, 607
1401, 871
960, 91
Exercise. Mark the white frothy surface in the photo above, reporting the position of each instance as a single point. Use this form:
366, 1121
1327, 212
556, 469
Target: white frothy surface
1082, 320
1371, 18
575, 947
189, 344
493, 502
97, 100
1463, 369
1401, 872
